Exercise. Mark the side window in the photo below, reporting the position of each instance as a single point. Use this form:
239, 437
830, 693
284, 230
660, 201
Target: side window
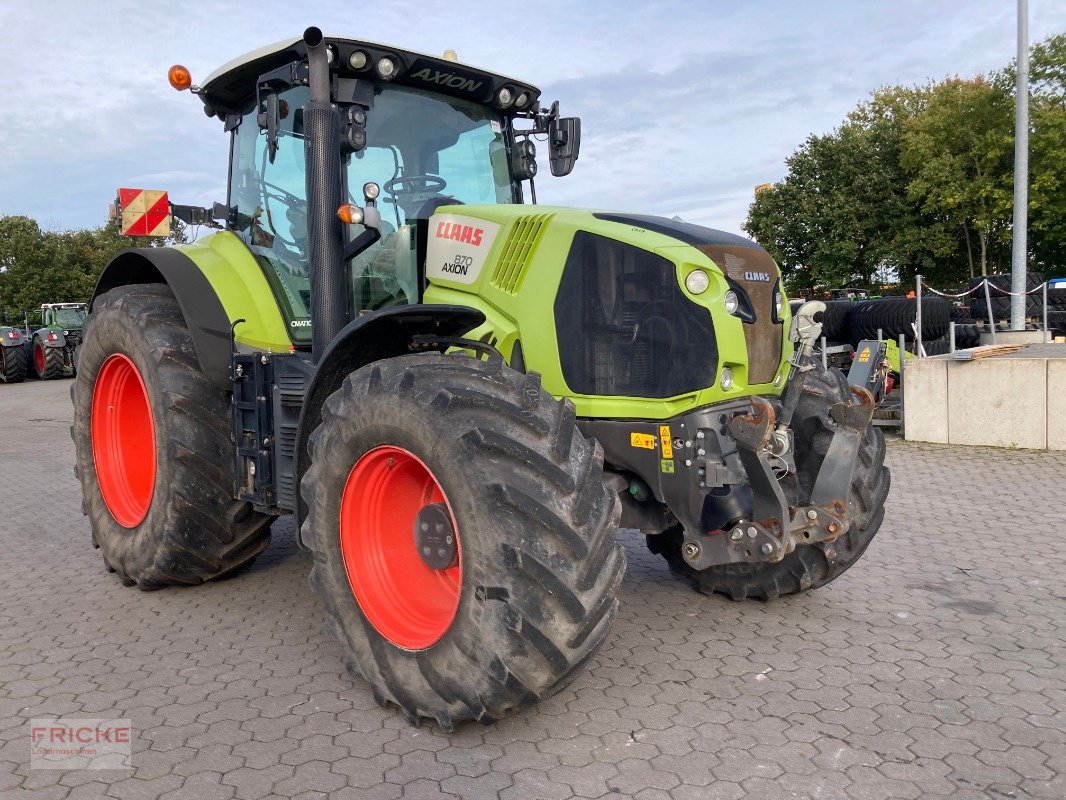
271, 208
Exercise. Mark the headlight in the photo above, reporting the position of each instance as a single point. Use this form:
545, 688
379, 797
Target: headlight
697, 281
732, 302
727, 378
779, 303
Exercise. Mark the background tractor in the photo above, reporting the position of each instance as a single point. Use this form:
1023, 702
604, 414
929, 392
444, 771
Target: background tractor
53, 344
15, 350
461, 396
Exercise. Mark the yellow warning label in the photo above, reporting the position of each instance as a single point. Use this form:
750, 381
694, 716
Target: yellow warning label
668, 445
864, 356
644, 440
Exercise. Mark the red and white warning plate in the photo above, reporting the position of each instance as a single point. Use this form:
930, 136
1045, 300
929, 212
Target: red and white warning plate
145, 212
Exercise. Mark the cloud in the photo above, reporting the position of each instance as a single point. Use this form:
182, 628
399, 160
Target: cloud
685, 105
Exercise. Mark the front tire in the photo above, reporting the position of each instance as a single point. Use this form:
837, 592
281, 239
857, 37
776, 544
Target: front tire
155, 447
808, 566
529, 594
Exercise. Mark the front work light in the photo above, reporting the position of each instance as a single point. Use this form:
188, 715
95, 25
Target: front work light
386, 68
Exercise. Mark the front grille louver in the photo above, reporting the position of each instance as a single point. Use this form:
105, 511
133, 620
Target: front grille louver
518, 251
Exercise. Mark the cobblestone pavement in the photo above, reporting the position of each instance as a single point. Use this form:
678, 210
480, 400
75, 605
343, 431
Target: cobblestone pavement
934, 668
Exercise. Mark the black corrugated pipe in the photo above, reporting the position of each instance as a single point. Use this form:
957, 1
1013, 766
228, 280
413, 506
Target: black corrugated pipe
329, 304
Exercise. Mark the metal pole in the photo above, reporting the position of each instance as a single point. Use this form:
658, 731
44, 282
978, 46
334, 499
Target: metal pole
825, 358
951, 337
1046, 339
1019, 245
918, 317
988, 305
902, 362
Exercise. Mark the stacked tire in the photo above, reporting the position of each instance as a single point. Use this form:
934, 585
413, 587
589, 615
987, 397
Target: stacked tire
895, 316
836, 321
999, 286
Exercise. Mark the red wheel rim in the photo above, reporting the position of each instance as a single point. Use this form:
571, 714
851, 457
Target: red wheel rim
408, 603
38, 356
123, 437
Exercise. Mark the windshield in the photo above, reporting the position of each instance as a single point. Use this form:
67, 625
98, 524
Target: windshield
424, 151
423, 147
70, 317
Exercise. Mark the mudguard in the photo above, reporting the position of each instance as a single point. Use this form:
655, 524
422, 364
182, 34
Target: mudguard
9, 340
45, 337
206, 318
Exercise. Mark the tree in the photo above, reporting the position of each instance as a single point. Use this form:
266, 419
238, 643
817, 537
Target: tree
1047, 151
39, 266
958, 152
920, 179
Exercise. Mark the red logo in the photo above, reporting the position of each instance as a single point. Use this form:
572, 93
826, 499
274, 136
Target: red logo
459, 233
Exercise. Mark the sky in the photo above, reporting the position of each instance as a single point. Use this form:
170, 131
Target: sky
685, 106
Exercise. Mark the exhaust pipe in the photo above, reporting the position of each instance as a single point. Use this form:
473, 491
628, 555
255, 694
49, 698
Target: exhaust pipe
325, 235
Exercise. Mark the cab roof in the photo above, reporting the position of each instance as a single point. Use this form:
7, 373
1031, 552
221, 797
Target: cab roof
229, 86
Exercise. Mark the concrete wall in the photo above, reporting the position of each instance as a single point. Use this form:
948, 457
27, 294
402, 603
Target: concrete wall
998, 402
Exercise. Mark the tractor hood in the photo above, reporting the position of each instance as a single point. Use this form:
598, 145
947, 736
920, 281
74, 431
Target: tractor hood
633, 305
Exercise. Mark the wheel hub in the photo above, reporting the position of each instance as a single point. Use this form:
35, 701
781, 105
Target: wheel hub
435, 538
406, 580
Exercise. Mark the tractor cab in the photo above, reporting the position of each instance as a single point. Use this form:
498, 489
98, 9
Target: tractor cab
416, 131
68, 316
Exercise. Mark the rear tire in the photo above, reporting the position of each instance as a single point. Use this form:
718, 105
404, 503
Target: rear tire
13, 366
538, 564
808, 566
183, 527
47, 361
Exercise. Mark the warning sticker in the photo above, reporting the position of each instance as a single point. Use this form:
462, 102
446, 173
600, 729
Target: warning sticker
668, 445
666, 465
458, 247
864, 356
642, 440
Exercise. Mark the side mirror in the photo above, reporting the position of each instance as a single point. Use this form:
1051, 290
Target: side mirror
564, 139
268, 121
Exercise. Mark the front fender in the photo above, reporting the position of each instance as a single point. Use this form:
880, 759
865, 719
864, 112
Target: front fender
372, 337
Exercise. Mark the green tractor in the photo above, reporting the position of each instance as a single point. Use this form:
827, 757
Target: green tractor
53, 344
460, 395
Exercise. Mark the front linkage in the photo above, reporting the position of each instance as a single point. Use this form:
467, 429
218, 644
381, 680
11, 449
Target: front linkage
721, 470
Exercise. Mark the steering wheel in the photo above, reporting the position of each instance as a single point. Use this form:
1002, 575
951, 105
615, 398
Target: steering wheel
433, 184
288, 199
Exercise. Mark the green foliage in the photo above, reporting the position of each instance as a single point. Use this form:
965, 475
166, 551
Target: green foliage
39, 266
920, 179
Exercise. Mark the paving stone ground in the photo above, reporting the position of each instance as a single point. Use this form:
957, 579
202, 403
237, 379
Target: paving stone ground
934, 668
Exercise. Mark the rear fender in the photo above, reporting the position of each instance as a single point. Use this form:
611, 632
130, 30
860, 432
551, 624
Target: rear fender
46, 340
9, 340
